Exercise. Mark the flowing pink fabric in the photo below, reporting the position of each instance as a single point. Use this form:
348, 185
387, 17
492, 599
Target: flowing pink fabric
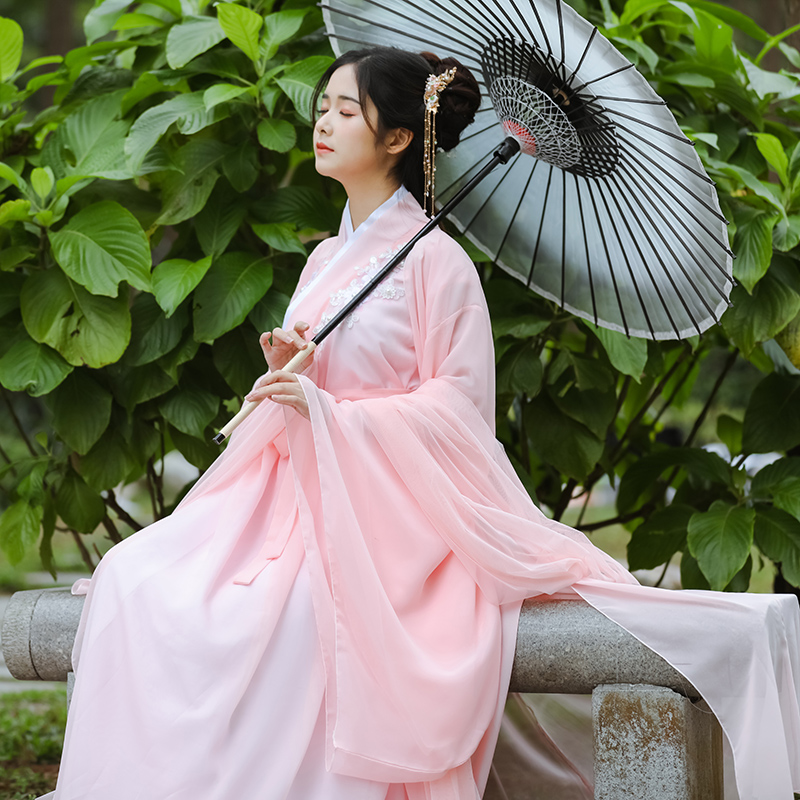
418, 542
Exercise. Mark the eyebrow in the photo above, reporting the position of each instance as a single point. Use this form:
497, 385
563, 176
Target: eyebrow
325, 96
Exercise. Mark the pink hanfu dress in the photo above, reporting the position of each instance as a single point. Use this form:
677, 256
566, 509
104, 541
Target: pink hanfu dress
331, 612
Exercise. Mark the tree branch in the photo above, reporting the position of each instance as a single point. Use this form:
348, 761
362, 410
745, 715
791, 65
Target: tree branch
112, 501
85, 554
18, 424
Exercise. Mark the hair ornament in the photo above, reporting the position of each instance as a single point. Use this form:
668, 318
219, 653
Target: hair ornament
433, 87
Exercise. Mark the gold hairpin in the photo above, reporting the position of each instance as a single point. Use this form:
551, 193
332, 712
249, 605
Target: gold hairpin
433, 87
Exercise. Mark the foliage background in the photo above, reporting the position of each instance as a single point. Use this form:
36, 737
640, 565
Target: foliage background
158, 198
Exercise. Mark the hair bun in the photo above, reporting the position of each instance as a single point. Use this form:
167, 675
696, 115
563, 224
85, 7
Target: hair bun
457, 103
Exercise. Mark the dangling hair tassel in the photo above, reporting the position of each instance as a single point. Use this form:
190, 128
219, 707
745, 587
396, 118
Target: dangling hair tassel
433, 87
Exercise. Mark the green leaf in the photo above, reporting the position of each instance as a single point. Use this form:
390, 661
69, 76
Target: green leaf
31, 487
9, 174
299, 205
268, 313
100, 20
647, 54
136, 385
628, 355
280, 27
760, 316
276, 134
699, 464
92, 140
777, 535
201, 454
559, 440
218, 222
241, 166
768, 478
787, 496
729, 431
279, 236
10, 287
109, 462
15, 211
19, 530
42, 181
241, 26
79, 506
775, 154
136, 20
81, 411
152, 333
771, 422
10, 47
591, 374
753, 247
593, 408
154, 122
33, 368
786, 234
238, 358
190, 38
102, 245
222, 93
174, 279
186, 192
520, 370
659, 537
299, 80
233, 285
720, 539
85, 329
190, 409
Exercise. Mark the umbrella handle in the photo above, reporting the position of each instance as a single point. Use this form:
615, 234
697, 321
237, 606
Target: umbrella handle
249, 406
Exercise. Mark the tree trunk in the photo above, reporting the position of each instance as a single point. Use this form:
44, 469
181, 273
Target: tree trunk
61, 34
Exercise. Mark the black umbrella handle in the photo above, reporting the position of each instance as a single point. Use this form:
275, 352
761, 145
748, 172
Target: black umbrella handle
502, 155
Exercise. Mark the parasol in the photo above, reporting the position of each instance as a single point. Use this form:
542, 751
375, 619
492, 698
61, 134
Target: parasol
603, 207
607, 209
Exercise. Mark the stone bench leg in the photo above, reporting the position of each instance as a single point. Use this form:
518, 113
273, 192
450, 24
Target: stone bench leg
651, 743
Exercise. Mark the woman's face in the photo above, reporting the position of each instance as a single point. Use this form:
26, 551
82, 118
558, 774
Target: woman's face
345, 147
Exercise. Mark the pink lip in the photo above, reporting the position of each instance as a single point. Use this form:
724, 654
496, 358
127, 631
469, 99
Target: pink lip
323, 148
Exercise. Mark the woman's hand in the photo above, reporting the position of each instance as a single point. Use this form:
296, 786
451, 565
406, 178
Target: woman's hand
281, 387
284, 346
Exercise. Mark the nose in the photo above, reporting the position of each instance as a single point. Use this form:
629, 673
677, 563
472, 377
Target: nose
321, 124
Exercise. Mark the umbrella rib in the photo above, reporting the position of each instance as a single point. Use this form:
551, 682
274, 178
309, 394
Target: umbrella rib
525, 23
476, 28
631, 273
506, 173
478, 10
439, 20
669, 155
676, 180
661, 260
536, 162
478, 133
561, 29
658, 102
680, 137
603, 77
610, 267
691, 253
586, 247
563, 235
585, 52
642, 258
541, 225
380, 25
464, 174
649, 174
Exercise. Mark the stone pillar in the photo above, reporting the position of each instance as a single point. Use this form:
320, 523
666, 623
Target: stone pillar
651, 743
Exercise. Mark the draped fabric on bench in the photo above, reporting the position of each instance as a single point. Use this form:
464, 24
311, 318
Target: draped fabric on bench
335, 603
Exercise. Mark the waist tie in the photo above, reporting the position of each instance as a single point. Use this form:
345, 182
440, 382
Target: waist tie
283, 520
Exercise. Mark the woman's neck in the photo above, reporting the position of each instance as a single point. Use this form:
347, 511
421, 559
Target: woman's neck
366, 199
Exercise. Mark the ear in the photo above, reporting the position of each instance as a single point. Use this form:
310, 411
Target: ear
397, 140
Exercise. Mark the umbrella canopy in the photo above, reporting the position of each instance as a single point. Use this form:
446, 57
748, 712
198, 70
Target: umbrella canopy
607, 209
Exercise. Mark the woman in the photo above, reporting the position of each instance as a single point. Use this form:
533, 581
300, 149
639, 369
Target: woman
332, 611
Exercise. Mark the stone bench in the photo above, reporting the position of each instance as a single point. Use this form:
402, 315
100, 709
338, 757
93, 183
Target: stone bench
651, 739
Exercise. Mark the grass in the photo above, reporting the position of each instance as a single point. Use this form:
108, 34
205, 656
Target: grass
31, 736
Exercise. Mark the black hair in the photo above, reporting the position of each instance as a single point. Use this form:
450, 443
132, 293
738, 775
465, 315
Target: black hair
395, 82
